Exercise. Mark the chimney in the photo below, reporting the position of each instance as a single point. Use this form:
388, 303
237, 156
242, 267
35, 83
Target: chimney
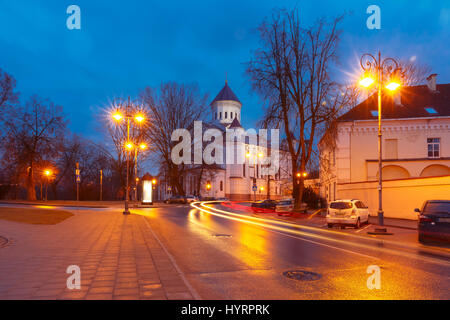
431, 82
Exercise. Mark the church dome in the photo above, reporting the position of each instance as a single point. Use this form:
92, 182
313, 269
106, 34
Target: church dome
226, 94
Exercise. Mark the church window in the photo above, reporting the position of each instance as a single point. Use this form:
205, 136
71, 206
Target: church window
226, 113
220, 114
231, 115
243, 170
221, 185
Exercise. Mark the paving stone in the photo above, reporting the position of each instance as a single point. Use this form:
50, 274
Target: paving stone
118, 256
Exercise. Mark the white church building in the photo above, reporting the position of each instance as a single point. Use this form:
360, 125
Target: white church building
237, 182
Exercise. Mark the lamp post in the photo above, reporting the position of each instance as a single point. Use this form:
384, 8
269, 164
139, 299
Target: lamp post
375, 70
138, 118
47, 174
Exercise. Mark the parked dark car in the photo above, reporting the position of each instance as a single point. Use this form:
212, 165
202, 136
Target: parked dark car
434, 220
264, 205
176, 199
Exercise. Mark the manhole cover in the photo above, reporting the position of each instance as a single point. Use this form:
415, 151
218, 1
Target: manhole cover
222, 235
3, 242
302, 275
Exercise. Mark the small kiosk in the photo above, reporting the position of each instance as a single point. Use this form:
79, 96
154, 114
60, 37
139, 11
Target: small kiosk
147, 189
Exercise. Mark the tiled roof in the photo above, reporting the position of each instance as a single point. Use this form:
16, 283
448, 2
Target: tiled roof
226, 94
417, 102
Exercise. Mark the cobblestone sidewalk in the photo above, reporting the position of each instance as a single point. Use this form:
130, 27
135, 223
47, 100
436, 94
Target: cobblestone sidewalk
118, 256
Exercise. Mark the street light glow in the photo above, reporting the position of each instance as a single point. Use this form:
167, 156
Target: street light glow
117, 116
129, 146
393, 86
366, 82
139, 118
260, 154
47, 172
143, 146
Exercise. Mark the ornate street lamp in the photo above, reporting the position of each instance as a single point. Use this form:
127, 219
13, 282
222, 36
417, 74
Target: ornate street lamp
385, 73
123, 110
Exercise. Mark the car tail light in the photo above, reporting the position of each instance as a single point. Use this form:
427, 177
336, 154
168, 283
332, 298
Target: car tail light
425, 219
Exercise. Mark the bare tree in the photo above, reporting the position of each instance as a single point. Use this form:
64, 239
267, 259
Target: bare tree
292, 72
172, 106
414, 73
7, 94
34, 134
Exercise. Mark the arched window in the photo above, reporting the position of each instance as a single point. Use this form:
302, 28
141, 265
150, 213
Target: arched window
226, 113
221, 185
394, 172
435, 170
231, 115
220, 114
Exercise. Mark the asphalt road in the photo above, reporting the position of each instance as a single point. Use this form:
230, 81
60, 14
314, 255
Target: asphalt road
226, 256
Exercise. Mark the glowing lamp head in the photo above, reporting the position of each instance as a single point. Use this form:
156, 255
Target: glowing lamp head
129, 145
298, 174
154, 181
305, 174
392, 86
47, 172
143, 146
139, 118
247, 154
208, 186
260, 155
117, 116
261, 188
367, 81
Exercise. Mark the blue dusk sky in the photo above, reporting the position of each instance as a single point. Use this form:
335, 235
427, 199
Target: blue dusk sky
124, 46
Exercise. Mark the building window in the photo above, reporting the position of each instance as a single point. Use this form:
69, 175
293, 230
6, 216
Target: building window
221, 185
226, 113
231, 115
220, 114
243, 169
215, 115
433, 147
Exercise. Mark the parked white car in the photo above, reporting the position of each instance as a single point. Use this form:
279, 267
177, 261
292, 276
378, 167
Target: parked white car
347, 213
190, 199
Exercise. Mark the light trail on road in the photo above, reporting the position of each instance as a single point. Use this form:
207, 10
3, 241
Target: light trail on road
284, 227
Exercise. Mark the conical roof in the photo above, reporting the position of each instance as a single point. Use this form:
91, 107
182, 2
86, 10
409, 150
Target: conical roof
226, 94
235, 124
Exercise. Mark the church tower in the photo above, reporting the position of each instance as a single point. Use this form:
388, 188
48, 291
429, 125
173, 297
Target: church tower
226, 107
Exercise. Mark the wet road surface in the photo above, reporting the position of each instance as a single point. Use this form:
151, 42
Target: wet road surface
230, 257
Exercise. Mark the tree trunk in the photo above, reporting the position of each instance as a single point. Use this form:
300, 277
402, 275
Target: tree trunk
31, 192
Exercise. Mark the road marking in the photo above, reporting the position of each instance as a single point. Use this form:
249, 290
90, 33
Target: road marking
314, 214
172, 259
358, 231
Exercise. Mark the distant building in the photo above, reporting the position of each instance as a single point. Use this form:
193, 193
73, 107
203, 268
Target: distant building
415, 151
234, 181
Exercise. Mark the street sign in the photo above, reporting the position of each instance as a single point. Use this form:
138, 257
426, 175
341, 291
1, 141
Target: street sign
78, 179
254, 188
